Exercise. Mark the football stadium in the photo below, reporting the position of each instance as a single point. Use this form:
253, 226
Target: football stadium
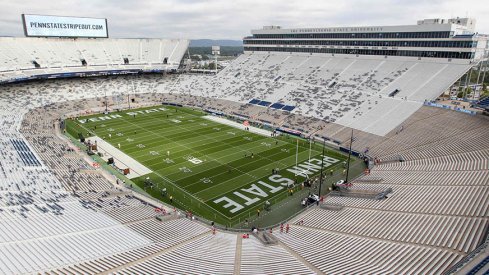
321, 150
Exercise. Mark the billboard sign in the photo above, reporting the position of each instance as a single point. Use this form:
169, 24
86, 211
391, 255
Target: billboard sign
64, 26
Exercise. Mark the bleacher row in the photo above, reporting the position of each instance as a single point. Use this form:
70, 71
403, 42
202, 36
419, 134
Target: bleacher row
426, 199
452, 232
418, 210
25, 153
465, 161
211, 254
24, 57
432, 177
353, 92
259, 259
335, 253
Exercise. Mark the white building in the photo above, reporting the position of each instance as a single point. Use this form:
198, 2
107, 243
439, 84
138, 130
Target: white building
434, 38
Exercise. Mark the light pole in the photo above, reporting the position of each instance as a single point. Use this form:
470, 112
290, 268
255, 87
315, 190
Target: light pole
106, 107
322, 168
349, 156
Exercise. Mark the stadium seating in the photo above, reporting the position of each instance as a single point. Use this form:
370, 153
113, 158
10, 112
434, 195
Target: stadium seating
353, 92
54, 56
210, 254
483, 103
259, 259
340, 253
437, 213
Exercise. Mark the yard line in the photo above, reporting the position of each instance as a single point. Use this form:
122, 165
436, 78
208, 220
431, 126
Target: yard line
224, 156
143, 141
197, 142
214, 137
208, 138
232, 145
247, 163
154, 116
259, 168
173, 149
182, 146
243, 184
128, 131
329, 167
268, 198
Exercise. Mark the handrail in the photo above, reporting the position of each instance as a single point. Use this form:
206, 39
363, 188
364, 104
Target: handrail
456, 267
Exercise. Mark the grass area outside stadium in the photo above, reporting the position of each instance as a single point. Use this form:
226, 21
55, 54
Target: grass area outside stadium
216, 171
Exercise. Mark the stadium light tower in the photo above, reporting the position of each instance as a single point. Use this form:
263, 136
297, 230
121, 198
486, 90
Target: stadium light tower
216, 50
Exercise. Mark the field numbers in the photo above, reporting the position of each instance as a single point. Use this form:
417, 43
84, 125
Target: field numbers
185, 170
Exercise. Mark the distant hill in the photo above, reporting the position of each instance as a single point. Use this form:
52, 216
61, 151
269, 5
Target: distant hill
210, 42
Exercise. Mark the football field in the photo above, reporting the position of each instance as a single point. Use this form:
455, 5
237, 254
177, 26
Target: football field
218, 171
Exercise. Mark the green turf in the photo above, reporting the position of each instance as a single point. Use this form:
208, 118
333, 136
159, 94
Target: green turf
226, 168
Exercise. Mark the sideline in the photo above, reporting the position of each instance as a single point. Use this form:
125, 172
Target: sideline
238, 125
120, 158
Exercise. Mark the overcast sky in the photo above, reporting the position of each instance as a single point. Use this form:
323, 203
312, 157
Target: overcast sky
233, 19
